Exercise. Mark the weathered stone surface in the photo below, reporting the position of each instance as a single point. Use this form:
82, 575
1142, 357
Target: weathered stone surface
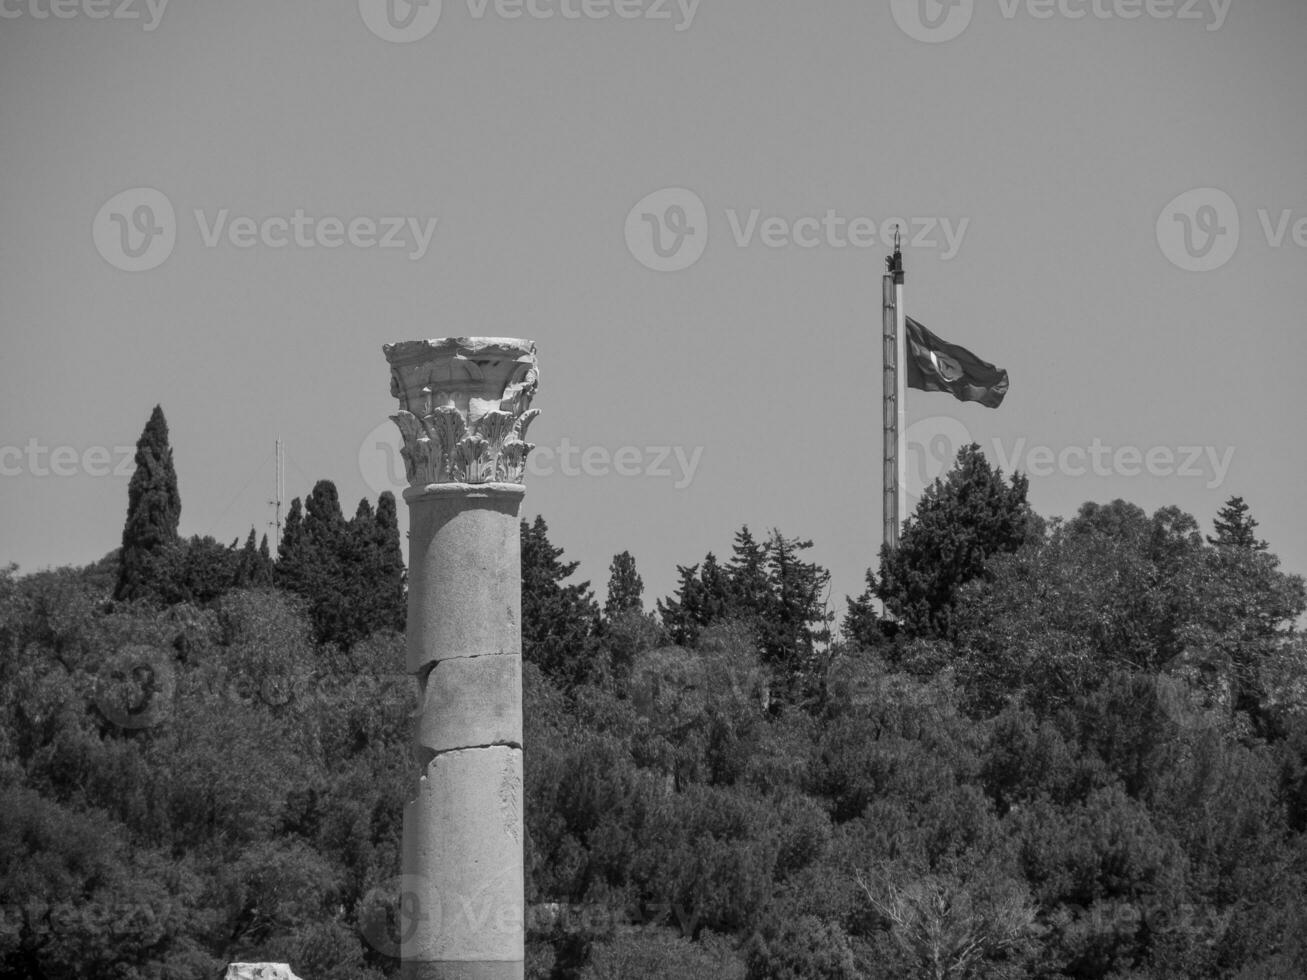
465, 574
483, 970
259, 971
462, 853
464, 412
465, 406
470, 701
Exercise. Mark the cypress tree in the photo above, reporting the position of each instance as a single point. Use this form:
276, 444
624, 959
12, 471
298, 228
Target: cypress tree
324, 524
153, 509
390, 574
263, 567
247, 563
292, 561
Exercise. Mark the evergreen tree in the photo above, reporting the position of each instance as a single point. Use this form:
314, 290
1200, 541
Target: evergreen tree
558, 620
324, 524
682, 617
292, 540
350, 573
961, 521
263, 567
716, 590
1235, 527
702, 597
625, 587
153, 509
862, 626
389, 559
254, 566
798, 620
246, 563
751, 594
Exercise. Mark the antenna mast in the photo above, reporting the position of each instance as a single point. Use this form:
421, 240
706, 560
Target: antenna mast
280, 492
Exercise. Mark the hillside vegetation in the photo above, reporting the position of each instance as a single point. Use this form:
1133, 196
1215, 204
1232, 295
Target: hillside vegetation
1031, 748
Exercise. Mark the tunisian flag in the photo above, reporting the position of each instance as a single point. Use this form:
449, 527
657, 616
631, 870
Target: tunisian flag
937, 365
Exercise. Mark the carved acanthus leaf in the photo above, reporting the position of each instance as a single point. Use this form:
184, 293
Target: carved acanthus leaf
465, 408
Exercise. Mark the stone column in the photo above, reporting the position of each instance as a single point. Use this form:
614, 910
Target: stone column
464, 412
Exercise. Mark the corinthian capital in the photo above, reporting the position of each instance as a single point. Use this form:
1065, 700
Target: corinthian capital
464, 407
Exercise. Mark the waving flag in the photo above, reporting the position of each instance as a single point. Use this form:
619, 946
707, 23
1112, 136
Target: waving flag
937, 365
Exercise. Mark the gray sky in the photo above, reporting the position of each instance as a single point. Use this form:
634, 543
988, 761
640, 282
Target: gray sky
1038, 151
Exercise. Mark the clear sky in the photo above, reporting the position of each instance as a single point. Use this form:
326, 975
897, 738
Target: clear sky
1038, 151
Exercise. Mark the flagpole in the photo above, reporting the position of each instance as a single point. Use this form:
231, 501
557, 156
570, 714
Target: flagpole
894, 471
901, 392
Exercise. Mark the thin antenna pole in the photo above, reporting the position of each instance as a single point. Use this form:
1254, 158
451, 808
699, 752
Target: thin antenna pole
280, 491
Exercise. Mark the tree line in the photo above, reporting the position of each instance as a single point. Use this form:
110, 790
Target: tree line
1030, 748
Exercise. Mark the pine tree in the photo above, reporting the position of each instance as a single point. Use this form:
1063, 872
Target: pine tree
716, 590
558, 620
751, 594
153, 509
702, 597
798, 623
963, 519
682, 616
1235, 527
625, 587
862, 626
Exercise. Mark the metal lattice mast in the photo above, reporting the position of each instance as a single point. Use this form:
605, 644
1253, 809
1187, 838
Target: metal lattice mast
894, 351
